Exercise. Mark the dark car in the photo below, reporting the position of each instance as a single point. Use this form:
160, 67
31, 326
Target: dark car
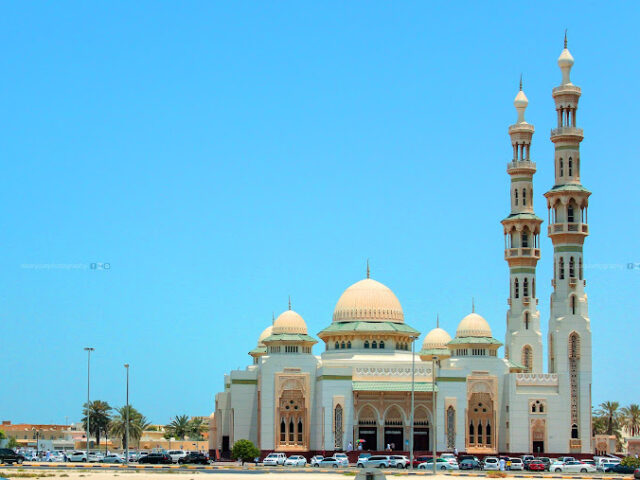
623, 469
636, 473
156, 458
194, 457
536, 466
8, 456
469, 464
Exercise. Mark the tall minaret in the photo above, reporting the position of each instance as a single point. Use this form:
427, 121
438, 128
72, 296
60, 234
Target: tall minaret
569, 327
523, 343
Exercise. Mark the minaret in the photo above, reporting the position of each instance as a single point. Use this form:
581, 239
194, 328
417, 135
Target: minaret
523, 343
569, 327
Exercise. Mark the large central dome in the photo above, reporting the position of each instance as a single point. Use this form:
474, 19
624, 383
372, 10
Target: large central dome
368, 301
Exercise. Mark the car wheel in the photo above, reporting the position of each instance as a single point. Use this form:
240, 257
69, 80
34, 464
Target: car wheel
20, 461
84, 459
443, 468
584, 470
558, 470
335, 466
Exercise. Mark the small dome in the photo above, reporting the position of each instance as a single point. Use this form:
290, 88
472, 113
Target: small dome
265, 333
473, 325
436, 338
368, 301
289, 322
521, 100
565, 59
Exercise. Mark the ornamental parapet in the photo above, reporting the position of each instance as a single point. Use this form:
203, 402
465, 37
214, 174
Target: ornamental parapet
521, 127
522, 252
556, 228
537, 379
521, 165
567, 131
566, 90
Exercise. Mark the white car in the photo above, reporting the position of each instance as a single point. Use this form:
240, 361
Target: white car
441, 464
274, 459
449, 457
342, 459
573, 467
315, 460
516, 464
176, 455
491, 463
77, 456
399, 461
295, 461
112, 458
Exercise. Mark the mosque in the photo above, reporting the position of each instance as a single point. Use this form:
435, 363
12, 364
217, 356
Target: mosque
466, 397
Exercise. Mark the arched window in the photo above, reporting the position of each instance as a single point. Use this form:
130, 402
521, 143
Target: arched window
561, 268
525, 239
526, 357
525, 287
524, 197
366, 344
283, 431
533, 287
570, 166
515, 192
516, 287
349, 344
541, 408
374, 344
480, 433
580, 268
570, 214
561, 168
300, 431
343, 345
573, 304
381, 343
533, 408
337, 346
291, 431
572, 268
337, 430
526, 320
488, 433
472, 438
574, 431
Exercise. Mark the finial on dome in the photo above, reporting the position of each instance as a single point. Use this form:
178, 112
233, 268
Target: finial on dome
368, 269
565, 62
565, 38
438, 320
273, 318
289, 302
473, 305
520, 102
520, 81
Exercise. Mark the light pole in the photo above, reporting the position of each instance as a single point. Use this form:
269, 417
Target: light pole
434, 361
126, 427
413, 392
88, 350
37, 435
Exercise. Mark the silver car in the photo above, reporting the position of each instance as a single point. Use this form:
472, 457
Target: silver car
376, 461
329, 462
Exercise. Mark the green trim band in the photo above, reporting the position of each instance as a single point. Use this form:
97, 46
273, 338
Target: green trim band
523, 270
569, 248
521, 179
568, 147
333, 377
243, 381
451, 379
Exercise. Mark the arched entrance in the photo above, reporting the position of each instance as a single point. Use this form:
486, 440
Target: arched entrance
421, 430
368, 427
393, 429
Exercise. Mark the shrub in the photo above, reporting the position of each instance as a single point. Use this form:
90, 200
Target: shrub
631, 462
245, 451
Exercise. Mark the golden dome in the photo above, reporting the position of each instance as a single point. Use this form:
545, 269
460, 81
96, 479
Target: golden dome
368, 301
473, 325
436, 338
265, 333
289, 322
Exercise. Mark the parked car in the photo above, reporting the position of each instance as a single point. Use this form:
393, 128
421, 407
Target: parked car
274, 459
606, 467
10, 457
375, 461
133, 456
363, 456
342, 459
636, 473
490, 463
295, 461
469, 464
517, 464
329, 462
536, 466
176, 455
194, 457
95, 457
77, 456
56, 457
449, 457
441, 464
573, 467
418, 460
112, 458
156, 458
619, 468
315, 460
545, 460
400, 461
566, 459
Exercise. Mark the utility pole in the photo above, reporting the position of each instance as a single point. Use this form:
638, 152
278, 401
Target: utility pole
88, 350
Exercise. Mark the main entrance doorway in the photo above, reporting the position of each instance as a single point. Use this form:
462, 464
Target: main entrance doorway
538, 447
421, 439
393, 437
370, 437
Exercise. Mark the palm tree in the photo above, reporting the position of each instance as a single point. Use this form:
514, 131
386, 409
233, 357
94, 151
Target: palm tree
99, 418
197, 427
179, 427
610, 411
142, 424
631, 418
137, 423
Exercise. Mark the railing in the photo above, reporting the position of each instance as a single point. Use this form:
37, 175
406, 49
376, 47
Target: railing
522, 252
566, 89
568, 228
523, 127
540, 379
521, 164
567, 131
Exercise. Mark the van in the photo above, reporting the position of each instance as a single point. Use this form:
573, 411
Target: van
274, 459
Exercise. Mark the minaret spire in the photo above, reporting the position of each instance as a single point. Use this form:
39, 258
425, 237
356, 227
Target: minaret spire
438, 321
289, 302
273, 318
565, 38
368, 269
521, 82
473, 305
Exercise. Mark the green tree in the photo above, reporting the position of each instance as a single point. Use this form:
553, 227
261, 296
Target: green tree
631, 462
197, 426
99, 419
12, 443
137, 424
631, 418
611, 413
179, 427
245, 451
2, 435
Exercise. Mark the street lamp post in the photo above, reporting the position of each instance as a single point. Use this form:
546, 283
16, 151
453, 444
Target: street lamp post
413, 391
88, 350
37, 435
126, 428
434, 361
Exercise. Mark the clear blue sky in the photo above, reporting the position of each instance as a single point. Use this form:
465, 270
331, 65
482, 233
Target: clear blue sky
221, 156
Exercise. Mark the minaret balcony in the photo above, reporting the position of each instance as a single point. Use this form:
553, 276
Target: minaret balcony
567, 132
527, 252
556, 228
521, 165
